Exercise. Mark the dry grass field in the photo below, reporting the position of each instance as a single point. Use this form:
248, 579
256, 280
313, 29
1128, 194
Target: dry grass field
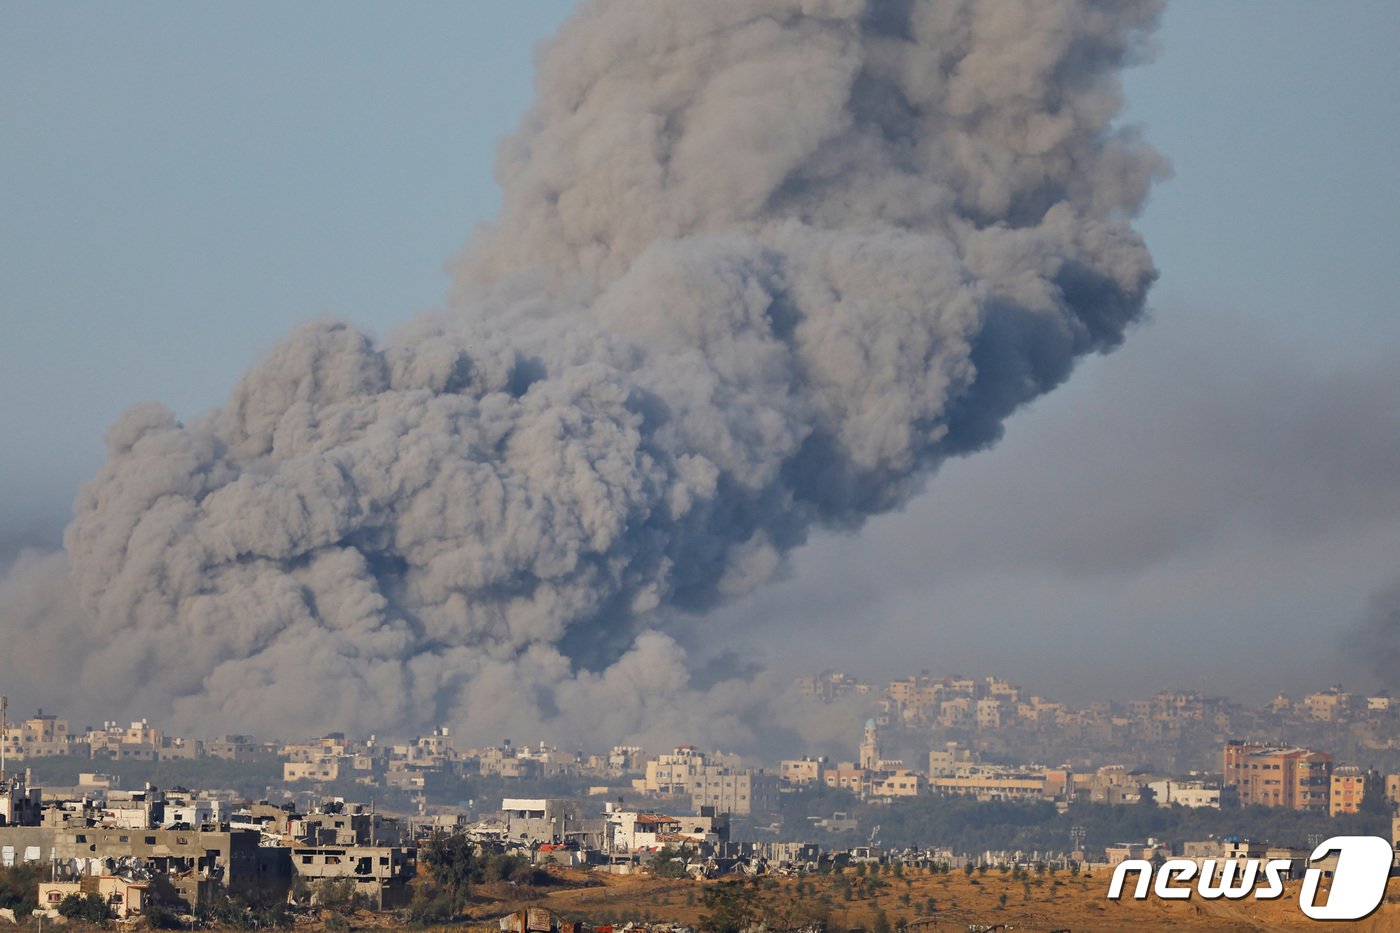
1040, 903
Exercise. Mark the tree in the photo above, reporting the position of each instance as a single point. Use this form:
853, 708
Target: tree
19, 884
452, 864
733, 906
881, 924
253, 912
87, 907
160, 917
670, 862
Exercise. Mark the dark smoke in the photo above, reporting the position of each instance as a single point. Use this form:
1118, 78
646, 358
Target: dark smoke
761, 267
1377, 639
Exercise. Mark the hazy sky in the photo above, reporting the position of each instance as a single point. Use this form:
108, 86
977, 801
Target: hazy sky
1212, 505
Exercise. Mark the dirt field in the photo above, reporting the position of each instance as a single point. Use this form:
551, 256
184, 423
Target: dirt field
1038, 903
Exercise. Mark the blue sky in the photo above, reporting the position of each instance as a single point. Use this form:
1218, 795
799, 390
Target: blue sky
181, 184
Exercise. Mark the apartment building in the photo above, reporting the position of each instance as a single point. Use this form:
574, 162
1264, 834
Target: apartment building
741, 791
42, 735
1348, 789
676, 772
951, 759
1278, 776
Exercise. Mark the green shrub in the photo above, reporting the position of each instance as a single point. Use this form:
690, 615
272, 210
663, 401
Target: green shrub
90, 908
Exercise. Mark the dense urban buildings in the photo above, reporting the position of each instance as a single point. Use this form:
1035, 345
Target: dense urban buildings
139, 846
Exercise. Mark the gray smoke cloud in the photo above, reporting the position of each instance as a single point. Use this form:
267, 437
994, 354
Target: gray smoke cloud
761, 266
1377, 638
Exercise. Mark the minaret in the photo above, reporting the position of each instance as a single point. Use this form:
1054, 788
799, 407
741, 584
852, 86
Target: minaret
870, 748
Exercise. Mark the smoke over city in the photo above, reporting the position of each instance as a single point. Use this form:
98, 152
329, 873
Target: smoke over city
761, 266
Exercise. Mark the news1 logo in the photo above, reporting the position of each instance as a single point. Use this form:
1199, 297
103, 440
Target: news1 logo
1358, 880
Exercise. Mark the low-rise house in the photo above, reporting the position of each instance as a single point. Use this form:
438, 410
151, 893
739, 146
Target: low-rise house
126, 899
542, 819
1197, 794
647, 831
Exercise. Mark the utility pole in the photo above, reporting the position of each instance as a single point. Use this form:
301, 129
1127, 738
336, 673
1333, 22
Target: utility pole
1076, 838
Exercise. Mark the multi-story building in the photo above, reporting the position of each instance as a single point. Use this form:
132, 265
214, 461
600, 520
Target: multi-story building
741, 791
381, 874
829, 685
1348, 789
139, 741
899, 782
514, 762
196, 864
951, 759
675, 773
20, 805
1278, 776
957, 713
326, 768
333, 825
231, 748
45, 735
1330, 705
991, 785
541, 819
133, 809
40, 736
988, 713
846, 776
624, 758
801, 771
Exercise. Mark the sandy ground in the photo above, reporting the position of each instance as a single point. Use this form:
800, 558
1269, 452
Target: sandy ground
1050, 903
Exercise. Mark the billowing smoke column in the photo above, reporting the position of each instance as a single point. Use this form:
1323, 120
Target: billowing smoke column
761, 266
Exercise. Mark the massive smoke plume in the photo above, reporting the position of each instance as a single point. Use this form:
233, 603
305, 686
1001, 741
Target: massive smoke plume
761, 266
